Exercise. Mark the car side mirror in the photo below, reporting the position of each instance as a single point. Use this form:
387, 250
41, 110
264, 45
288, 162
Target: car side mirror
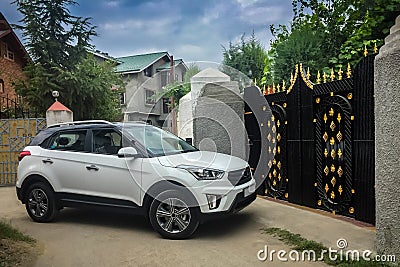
128, 152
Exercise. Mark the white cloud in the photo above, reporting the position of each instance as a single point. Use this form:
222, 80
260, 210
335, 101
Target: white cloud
262, 15
245, 3
112, 4
210, 15
190, 49
122, 25
151, 26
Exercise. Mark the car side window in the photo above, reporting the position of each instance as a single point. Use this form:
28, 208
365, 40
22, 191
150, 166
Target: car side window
68, 141
106, 141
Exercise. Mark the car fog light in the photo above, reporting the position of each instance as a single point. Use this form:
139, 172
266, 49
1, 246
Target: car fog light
213, 201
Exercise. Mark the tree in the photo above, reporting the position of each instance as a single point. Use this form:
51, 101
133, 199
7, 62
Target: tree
328, 34
179, 90
249, 57
301, 45
58, 42
96, 89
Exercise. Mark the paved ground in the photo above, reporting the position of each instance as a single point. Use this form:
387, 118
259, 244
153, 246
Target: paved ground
82, 238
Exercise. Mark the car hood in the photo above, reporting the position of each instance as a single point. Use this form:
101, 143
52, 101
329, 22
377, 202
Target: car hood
204, 159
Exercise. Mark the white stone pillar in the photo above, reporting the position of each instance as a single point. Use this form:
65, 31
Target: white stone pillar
387, 143
58, 113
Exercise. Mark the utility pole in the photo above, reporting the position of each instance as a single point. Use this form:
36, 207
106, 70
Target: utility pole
172, 80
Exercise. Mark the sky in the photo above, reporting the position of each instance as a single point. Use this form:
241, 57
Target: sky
194, 30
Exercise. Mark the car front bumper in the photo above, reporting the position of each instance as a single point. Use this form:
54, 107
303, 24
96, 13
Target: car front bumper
230, 198
238, 204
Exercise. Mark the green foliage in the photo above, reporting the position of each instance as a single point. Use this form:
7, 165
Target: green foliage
179, 90
58, 42
301, 45
52, 35
95, 87
9, 232
299, 243
192, 70
326, 34
249, 57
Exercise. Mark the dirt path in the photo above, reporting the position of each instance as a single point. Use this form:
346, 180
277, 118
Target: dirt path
92, 238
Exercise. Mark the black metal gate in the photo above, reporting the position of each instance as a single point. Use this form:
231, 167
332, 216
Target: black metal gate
324, 146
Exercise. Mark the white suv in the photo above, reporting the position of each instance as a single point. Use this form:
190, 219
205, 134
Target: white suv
131, 166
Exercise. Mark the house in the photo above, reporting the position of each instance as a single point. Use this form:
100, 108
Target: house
102, 57
13, 58
146, 75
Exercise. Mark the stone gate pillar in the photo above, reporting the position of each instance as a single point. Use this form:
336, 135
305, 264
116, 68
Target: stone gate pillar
213, 114
387, 143
58, 113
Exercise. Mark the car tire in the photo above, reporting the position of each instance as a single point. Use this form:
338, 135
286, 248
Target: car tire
40, 202
173, 214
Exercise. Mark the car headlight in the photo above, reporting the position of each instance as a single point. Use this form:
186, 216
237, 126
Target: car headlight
203, 173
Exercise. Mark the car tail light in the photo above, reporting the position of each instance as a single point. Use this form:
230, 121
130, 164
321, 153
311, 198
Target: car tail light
23, 154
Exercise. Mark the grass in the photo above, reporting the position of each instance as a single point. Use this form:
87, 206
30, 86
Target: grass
299, 243
9, 232
14, 246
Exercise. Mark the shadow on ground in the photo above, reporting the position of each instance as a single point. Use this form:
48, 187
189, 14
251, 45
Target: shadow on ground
221, 227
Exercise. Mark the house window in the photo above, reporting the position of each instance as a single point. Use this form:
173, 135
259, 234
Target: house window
122, 99
148, 71
9, 54
2, 90
149, 97
164, 78
166, 105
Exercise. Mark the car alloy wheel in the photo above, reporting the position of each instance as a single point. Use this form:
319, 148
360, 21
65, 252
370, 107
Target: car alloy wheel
38, 202
173, 215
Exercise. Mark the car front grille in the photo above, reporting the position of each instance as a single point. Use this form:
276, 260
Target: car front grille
239, 177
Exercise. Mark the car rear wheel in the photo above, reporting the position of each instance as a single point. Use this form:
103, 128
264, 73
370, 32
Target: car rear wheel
172, 215
40, 202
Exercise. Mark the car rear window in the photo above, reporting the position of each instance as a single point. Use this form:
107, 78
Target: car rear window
40, 138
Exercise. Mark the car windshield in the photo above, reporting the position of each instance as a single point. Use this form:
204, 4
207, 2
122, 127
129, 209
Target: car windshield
157, 141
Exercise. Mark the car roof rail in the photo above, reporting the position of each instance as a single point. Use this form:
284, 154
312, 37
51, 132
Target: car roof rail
139, 122
80, 123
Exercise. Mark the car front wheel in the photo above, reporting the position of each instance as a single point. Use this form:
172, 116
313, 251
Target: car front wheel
40, 202
173, 215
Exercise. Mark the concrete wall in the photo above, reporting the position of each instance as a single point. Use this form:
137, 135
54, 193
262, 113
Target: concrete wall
137, 83
212, 114
208, 75
185, 117
387, 143
135, 93
58, 116
218, 119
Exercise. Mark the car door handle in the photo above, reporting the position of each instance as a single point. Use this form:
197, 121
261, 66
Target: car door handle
47, 161
92, 167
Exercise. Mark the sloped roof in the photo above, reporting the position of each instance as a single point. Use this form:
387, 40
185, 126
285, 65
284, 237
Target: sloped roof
4, 33
138, 63
167, 65
6, 30
211, 73
103, 55
57, 106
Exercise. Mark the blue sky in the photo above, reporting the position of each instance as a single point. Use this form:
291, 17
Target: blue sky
193, 30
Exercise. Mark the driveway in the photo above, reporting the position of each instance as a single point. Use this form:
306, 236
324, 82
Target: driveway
93, 238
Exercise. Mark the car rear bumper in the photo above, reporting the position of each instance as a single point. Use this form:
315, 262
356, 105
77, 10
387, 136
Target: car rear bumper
19, 193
